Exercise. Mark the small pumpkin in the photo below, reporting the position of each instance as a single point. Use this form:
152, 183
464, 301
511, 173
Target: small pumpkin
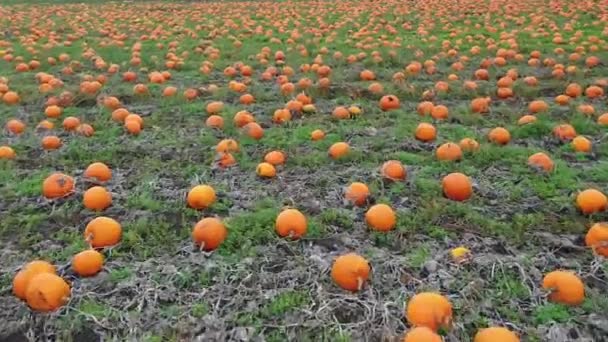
564, 132
254, 130
275, 158
57, 185
449, 151
87, 263
15, 126
565, 286
47, 292
350, 271
426, 132
591, 201
597, 238
440, 112
7, 152
526, 119
499, 135
51, 142
429, 309
381, 217
22, 279
541, 161
291, 223
469, 145
226, 146
201, 197
495, 334
98, 172
338, 150
422, 334
71, 123
581, 144
266, 170
457, 186
209, 233
393, 170
103, 232
317, 135
97, 198
357, 193
389, 102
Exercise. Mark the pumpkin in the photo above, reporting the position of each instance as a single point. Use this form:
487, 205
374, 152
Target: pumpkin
227, 145
209, 233
350, 271
53, 111
425, 108
254, 130
393, 170
133, 127
87, 263
275, 158
565, 287
460, 254
11, 98
468, 145
15, 126
22, 279
341, 112
225, 160
111, 103
97, 198
169, 91
389, 102
291, 223
440, 112
591, 201
102, 232
6, 152
449, 151
597, 238
201, 197
71, 123
246, 99
538, 106
354, 110
541, 162
429, 309
367, 75
480, 105
57, 185
500, 136
594, 91
45, 125
581, 144
526, 119
51, 142
317, 135
281, 116
242, 118
120, 114
215, 121
562, 100
457, 186
266, 170
338, 150
381, 217
425, 132
214, 107
47, 292
574, 90
85, 130
564, 132
603, 119
357, 193
422, 334
495, 334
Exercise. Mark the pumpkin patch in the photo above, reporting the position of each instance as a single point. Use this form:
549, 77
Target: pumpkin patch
419, 171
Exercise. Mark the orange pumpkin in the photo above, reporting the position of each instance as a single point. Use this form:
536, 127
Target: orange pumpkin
500, 136
350, 271
254, 130
381, 217
275, 158
597, 238
266, 170
103, 232
6, 152
541, 161
209, 233
201, 197
87, 263
357, 193
291, 223
449, 151
581, 144
51, 142
317, 135
57, 185
393, 170
97, 198
431, 310
495, 334
22, 279
591, 201
469, 145
389, 102
422, 334
47, 292
425, 132
215, 121
457, 186
338, 150
15, 126
565, 287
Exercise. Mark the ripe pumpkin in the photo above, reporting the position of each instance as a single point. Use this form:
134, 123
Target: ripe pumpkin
51, 142
457, 186
423, 334
591, 201
350, 271
429, 309
565, 286
526, 119
85, 130
381, 217
71, 123
449, 151
603, 119
389, 102
6, 152
425, 108
254, 130
120, 114
468, 145
440, 112
98, 172
291, 223
341, 112
15, 126
201, 197
22, 279
564, 132
102, 232
500, 136
317, 135
215, 121
393, 170
275, 158
57, 185
597, 238
242, 118
53, 111
47, 292
11, 98
97, 198
266, 170
581, 144
495, 334
538, 106
225, 160
227, 145
87, 263
425, 132
281, 116
357, 193
541, 161
338, 150
209, 233
214, 107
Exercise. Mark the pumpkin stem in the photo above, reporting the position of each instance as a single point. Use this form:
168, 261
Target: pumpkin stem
202, 246
359, 283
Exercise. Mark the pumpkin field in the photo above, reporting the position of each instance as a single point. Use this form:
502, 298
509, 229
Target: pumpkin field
416, 171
